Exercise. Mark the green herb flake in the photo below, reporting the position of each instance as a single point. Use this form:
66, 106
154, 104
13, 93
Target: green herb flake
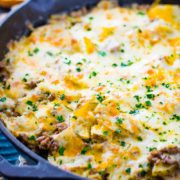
33, 106
89, 166
175, 117
152, 148
150, 96
60, 162
119, 120
139, 138
78, 69
105, 133
60, 118
67, 61
137, 97
61, 150
93, 74
49, 53
100, 98
136, 111
114, 65
141, 13
102, 53
3, 99
62, 97
122, 143
166, 85
85, 149
129, 63
32, 138
128, 170
118, 131
36, 50
148, 103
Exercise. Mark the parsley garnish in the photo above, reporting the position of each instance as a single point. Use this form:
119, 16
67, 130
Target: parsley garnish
60, 118
85, 149
114, 65
100, 98
128, 170
49, 53
102, 53
141, 13
89, 166
148, 103
67, 61
33, 106
129, 63
62, 97
134, 111
3, 99
119, 120
122, 143
93, 74
105, 133
150, 96
61, 150
36, 50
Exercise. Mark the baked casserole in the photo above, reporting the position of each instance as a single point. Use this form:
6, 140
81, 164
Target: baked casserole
99, 91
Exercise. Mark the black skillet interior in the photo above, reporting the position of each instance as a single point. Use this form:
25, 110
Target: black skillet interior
15, 26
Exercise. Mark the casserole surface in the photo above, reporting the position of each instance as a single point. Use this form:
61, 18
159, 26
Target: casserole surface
98, 91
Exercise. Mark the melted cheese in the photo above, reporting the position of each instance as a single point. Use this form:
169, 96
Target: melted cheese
114, 76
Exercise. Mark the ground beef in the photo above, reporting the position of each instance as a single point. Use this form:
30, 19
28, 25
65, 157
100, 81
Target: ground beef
164, 155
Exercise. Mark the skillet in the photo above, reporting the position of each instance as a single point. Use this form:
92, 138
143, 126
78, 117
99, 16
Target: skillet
13, 27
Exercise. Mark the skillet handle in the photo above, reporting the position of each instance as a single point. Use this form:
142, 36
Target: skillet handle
42, 170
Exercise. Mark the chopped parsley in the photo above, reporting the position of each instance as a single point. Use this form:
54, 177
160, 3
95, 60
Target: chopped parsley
141, 13
61, 150
93, 74
78, 69
100, 98
85, 149
67, 61
32, 138
119, 120
150, 96
129, 63
152, 148
148, 103
137, 97
118, 131
139, 106
89, 166
122, 143
128, 170
105, 133
139, 138
166, 85
60, 118
62, 97
175, 117
32, 105
49, 53
136, 111
114, 65
102, 53
3, 99
36, 50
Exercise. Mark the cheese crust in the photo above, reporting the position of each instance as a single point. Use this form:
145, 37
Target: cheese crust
100, 91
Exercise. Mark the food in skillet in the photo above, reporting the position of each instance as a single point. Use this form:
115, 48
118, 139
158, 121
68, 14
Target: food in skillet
99, 91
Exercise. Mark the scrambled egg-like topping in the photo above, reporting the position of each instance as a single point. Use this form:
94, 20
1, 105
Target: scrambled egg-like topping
100, 92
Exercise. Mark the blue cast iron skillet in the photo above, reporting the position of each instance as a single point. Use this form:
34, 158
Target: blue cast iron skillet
15, 26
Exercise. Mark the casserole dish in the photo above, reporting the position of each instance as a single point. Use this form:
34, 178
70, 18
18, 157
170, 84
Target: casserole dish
36, 16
